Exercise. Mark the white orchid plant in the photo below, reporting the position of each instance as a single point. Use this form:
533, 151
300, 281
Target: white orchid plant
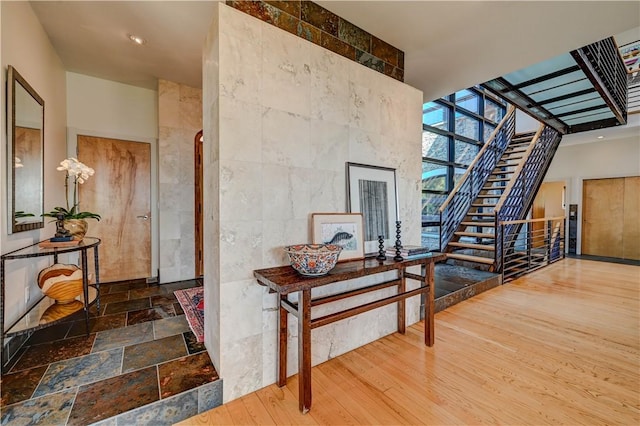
79, 172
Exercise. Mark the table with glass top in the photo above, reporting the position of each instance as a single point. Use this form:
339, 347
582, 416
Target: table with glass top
46, 311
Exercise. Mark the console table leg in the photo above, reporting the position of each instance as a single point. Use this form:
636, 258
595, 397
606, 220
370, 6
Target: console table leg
304, 350
402, 287
282, 348
429, 305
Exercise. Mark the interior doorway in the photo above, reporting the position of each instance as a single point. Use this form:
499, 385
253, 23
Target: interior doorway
610, 218
120, 191
198, 141
549, 202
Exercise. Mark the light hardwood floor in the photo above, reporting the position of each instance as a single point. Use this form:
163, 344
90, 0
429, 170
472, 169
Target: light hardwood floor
559, 346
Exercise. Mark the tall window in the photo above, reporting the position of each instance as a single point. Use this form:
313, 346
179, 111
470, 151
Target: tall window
454, 129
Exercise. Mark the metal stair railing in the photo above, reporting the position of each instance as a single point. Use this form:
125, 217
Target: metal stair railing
607, 72
534, 243
521, 191
456, 206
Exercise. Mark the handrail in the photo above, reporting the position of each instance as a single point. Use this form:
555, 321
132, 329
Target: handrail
516, 173
531, 249
542, 219
511, 110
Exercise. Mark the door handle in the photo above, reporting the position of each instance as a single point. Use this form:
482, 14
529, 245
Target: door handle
145, 217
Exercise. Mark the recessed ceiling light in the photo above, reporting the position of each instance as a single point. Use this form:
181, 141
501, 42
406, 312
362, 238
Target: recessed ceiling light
600, 137
136, 39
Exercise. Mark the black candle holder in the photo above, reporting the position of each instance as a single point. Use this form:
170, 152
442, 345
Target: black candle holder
381, 253
398, 257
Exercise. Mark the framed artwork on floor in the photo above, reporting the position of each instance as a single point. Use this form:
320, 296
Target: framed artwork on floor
343, 229
372, 191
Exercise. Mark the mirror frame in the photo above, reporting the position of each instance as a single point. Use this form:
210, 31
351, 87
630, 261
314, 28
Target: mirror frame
13, 78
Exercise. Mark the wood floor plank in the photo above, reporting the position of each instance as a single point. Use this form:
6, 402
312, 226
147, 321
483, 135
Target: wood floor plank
558, 346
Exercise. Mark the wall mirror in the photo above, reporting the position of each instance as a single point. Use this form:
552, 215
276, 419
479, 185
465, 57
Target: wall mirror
25, 154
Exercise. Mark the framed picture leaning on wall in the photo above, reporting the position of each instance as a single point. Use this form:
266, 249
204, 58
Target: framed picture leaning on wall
343, 229
372, 191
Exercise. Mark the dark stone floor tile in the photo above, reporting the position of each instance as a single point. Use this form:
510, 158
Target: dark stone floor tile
74, 372
114, 297
145, 292
170, 326
186, 373
19, 386
49, 334
440, 292
47, 410
59, 350
125, 286
154, 352
165, 299
193, 347
451, 286
126, 336
178, 309
165, 412
129, 305
152, 314
97, 324
108, 398
180, 285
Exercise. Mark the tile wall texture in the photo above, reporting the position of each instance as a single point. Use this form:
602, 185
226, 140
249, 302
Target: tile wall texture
179, 120
281, 118
316, 24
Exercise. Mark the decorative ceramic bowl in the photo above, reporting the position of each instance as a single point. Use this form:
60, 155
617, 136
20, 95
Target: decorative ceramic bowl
61, 282
313, 259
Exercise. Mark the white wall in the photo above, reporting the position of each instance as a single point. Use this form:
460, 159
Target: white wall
106, 106
281, 118
26, 47
602, 159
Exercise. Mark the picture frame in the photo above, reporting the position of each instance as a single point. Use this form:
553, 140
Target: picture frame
630, 53
372, 191
344, 229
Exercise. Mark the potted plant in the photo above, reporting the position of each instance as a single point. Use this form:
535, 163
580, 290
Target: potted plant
74, 219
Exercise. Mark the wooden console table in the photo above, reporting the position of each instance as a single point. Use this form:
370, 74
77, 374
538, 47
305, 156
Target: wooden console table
284, 280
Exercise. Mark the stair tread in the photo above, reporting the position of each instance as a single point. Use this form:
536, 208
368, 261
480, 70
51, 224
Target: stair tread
477, 259
481, 214
474, 234
494, 188
489, 196
480, 223
486, 247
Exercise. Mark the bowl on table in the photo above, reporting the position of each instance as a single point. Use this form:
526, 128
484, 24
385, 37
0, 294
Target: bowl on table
313, 259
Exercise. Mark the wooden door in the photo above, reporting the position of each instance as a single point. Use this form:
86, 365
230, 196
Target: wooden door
548, 203
120, 191
602, 214
631, 219
198, 205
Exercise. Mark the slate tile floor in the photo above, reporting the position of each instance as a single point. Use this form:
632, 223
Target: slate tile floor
139, 364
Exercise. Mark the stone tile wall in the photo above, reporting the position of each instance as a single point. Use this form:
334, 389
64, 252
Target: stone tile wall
281, 118
179, 120
316, 24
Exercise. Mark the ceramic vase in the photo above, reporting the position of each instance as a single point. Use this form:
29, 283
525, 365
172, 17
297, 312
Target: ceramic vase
61, 282
77, 227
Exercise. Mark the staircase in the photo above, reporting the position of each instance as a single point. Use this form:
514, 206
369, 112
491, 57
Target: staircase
474, 240
471, 214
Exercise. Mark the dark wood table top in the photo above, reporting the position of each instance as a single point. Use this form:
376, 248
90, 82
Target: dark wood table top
285, 279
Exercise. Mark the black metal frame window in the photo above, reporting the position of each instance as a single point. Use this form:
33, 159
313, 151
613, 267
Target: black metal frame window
454, 129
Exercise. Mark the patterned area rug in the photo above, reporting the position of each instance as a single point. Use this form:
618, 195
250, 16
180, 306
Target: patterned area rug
192, 302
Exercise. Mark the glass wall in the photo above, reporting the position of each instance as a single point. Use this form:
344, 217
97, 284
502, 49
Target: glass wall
454, 129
